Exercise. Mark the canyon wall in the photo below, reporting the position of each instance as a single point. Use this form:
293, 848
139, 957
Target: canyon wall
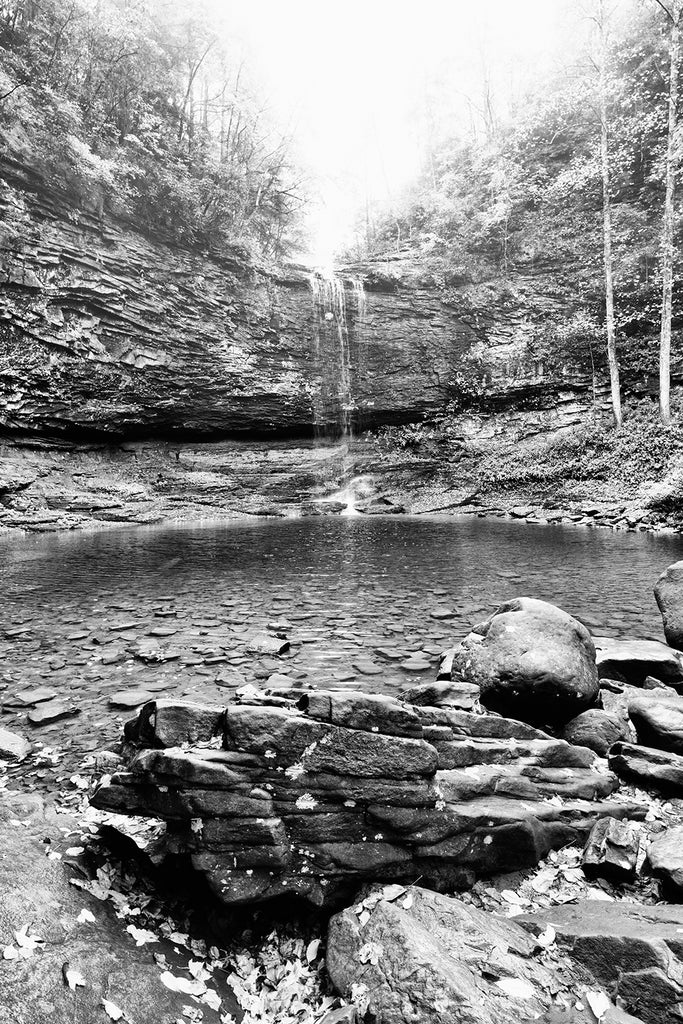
106, 334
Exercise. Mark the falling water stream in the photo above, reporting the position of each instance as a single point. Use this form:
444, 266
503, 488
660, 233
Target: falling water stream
337, 330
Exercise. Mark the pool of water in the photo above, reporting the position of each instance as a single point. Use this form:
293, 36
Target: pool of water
356, 597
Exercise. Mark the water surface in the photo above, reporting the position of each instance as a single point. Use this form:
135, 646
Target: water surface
356, 596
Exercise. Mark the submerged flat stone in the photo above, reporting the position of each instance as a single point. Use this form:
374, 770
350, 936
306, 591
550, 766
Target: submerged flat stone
31, 695
130, 698
52, 711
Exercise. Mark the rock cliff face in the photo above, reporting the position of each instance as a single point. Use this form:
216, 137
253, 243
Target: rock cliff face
105, 333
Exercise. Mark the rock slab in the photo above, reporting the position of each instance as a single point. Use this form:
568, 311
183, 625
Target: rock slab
315, 792
416, 957
635, 951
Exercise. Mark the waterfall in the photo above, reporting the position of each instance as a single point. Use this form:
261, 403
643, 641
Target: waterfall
336, 333
333, 337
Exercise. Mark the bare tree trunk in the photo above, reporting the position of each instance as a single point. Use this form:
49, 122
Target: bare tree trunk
615, 387
668, 229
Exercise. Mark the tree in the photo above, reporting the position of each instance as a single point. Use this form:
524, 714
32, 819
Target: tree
674, 13
146, 109
615, 388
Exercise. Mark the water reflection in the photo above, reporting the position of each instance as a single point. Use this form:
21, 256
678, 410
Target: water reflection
380, 566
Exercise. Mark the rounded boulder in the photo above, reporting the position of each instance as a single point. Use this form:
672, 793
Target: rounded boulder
595, 729
531, 660
669, 598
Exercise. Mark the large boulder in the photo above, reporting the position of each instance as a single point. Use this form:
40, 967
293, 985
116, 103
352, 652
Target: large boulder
318, 793
669, 598
635, 951
37, 892
416, 957
532, 661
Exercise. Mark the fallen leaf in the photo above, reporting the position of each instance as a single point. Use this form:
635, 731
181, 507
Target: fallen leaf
141, 935
547, 937
516, 987
190, 988
392, 892
198, 970
112, 1009
211, 998
73, 978
312, 950
27, 943
599, 1003
370, 953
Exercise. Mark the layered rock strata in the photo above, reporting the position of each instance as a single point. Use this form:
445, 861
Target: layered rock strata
634, 951
107, 333
312, 793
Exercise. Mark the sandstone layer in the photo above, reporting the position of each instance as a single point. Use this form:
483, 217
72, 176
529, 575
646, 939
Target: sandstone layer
313, 793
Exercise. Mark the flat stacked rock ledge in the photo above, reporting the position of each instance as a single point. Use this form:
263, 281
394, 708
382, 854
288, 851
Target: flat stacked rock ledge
313, 792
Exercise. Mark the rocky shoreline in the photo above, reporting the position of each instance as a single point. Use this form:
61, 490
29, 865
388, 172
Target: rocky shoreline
47, 488
508, 835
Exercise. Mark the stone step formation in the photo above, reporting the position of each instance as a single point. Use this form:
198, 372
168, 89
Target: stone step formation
311, 793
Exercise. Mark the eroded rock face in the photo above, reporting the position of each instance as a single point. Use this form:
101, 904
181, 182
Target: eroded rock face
109, 333
313, 794
635, 951
669, 597
411, 964
416, 957
531, 660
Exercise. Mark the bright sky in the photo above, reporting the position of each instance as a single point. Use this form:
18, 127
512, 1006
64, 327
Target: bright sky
351, 79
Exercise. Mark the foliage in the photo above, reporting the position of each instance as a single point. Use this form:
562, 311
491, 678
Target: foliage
519, 199
641, 450
140, 107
